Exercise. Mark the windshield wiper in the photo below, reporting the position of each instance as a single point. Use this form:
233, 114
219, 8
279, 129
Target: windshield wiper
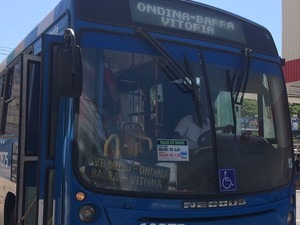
229, 87
242, 78
177, 71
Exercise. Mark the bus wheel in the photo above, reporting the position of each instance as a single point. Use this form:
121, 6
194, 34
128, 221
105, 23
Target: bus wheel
12, 217
9, 210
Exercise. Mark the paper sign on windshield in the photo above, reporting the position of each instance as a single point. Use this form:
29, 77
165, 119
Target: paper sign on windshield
172, 150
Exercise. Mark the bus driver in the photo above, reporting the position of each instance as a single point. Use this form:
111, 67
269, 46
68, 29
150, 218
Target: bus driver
189, 128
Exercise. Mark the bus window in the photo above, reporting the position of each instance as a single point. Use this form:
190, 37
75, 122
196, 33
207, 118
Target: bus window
12, 100
30, 190
2, 84
33, 107
1, 88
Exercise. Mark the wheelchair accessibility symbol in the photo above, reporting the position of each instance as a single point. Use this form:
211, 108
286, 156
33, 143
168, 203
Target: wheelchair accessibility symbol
227, 180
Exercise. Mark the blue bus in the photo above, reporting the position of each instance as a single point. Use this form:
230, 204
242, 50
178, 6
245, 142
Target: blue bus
129, 112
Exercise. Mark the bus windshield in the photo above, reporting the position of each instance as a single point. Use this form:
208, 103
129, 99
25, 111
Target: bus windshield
143, 127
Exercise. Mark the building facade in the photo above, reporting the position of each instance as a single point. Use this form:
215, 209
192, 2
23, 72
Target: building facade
291, 47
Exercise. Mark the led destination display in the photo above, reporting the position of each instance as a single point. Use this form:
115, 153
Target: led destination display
186, 18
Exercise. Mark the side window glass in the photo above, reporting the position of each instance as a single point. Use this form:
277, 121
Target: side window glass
2, 84
33, 107
12, 100
1, 88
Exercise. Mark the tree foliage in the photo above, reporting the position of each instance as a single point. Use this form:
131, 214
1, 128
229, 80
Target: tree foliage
249, 108
294, 109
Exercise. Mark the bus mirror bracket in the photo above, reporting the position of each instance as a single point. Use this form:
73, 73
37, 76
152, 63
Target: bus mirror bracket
67, 79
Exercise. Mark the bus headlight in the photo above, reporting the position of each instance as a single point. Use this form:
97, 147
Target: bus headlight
87, 213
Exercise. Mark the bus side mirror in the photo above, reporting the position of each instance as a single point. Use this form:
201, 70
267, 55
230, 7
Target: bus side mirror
67, 79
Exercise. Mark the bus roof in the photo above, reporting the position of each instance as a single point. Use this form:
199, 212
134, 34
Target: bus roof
176, 17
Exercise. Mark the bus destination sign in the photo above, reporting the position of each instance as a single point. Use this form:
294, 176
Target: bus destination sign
187, 18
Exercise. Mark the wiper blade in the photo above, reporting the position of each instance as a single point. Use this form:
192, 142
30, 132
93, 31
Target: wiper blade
230, 89
177, 71
242, 78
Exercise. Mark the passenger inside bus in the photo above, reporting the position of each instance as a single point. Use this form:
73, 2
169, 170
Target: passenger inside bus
189, 128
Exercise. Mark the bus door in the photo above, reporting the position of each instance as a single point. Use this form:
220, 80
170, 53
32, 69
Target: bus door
36, 156
27, 152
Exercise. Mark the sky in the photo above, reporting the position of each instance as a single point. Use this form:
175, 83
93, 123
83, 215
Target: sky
18, 18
